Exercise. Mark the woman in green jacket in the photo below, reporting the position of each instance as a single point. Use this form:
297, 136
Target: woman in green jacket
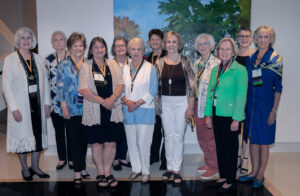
225, 105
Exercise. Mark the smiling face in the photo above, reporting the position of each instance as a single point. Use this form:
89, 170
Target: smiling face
263, 39
77, 49
155, 42
120, 48
203, 46
244, 38
99, 50
59, 42
136, 51
25, 42
226, 51
172, 45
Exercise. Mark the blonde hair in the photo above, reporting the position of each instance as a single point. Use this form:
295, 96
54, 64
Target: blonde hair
233, 45
270, 31
170, 33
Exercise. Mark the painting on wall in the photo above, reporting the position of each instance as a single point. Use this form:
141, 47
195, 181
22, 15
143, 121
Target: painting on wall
135, 18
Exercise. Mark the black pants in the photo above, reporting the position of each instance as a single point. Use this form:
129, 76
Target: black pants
78, 146
156, 142
227, 145
61, 137
121, 149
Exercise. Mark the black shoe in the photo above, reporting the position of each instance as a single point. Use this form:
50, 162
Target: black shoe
216, 184
71, 166
224, 190
163, 167
59, 167
117, 167
27, 178
42, 175
128, 164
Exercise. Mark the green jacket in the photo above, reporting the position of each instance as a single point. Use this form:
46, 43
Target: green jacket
231, 91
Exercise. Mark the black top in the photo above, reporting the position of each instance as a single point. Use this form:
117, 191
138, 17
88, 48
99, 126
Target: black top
242, 60
149, 57
173, 80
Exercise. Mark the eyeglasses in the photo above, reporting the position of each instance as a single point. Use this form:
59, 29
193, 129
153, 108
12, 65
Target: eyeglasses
244, 36
225, 49
120, 46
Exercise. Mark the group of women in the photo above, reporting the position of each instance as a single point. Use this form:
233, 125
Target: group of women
120, 103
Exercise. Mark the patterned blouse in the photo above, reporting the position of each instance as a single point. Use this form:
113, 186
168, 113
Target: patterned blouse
52, 66
202, 82
67, 87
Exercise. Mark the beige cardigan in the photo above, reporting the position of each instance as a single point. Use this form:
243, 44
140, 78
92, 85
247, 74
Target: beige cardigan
91, 111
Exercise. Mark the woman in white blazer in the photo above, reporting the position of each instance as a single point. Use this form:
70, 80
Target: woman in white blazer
26, 90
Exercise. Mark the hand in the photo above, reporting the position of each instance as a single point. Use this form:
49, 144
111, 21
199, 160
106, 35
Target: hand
47, 110
108, 103
188, 113
17, 115
66, 113
131, 105
234, 125
272, 117
208, 122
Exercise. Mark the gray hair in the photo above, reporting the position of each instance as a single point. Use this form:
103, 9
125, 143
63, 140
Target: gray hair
58, 32
20, 32
233, 45
209, 38
270, 31
136, 40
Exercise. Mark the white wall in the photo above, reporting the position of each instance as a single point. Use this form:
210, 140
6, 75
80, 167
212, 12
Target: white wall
284, 17
95, 18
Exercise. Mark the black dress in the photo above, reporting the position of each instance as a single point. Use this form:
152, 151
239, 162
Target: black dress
107, 131
34, 102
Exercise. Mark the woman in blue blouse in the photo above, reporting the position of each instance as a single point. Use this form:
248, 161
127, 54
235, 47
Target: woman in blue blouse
71, 102
140, 79
59, 43
265, 86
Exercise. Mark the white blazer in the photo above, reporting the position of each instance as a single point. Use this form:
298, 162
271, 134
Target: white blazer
20, 136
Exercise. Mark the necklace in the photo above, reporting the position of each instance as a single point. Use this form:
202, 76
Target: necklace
170, 77
152, 58
103, 71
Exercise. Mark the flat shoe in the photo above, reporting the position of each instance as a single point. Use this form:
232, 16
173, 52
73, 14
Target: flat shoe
117, 167
59, 167
128, 164
145, 178
258, 183
246, 178
134, 175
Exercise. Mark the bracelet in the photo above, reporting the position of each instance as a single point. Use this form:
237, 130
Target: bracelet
274, 111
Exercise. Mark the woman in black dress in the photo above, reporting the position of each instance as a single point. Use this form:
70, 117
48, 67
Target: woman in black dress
101, 84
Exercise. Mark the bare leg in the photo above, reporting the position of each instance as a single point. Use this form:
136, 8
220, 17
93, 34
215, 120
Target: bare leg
264, 156
245, 154
23, 161
108, 158
97, 153
255, 154
239, 152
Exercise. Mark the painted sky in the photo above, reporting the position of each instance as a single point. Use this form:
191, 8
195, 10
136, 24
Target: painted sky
143, 12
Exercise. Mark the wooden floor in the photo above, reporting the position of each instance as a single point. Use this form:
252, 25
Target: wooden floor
281, 174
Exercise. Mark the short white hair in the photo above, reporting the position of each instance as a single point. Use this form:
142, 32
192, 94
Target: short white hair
210, 39
136, 40
20, 32
58, 32
270, 31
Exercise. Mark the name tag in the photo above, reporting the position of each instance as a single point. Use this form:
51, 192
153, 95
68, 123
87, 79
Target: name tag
98, 77
32, 88
257, 77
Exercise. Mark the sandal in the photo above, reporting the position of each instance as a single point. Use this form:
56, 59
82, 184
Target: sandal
78, 181
177, 177
110, 180
244, 170
101, 179
167, 175
86, 176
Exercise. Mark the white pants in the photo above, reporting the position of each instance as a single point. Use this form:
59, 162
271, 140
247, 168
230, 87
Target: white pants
173, 110
139, 140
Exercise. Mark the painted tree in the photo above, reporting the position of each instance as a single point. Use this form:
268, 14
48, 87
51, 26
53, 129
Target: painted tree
125, 27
